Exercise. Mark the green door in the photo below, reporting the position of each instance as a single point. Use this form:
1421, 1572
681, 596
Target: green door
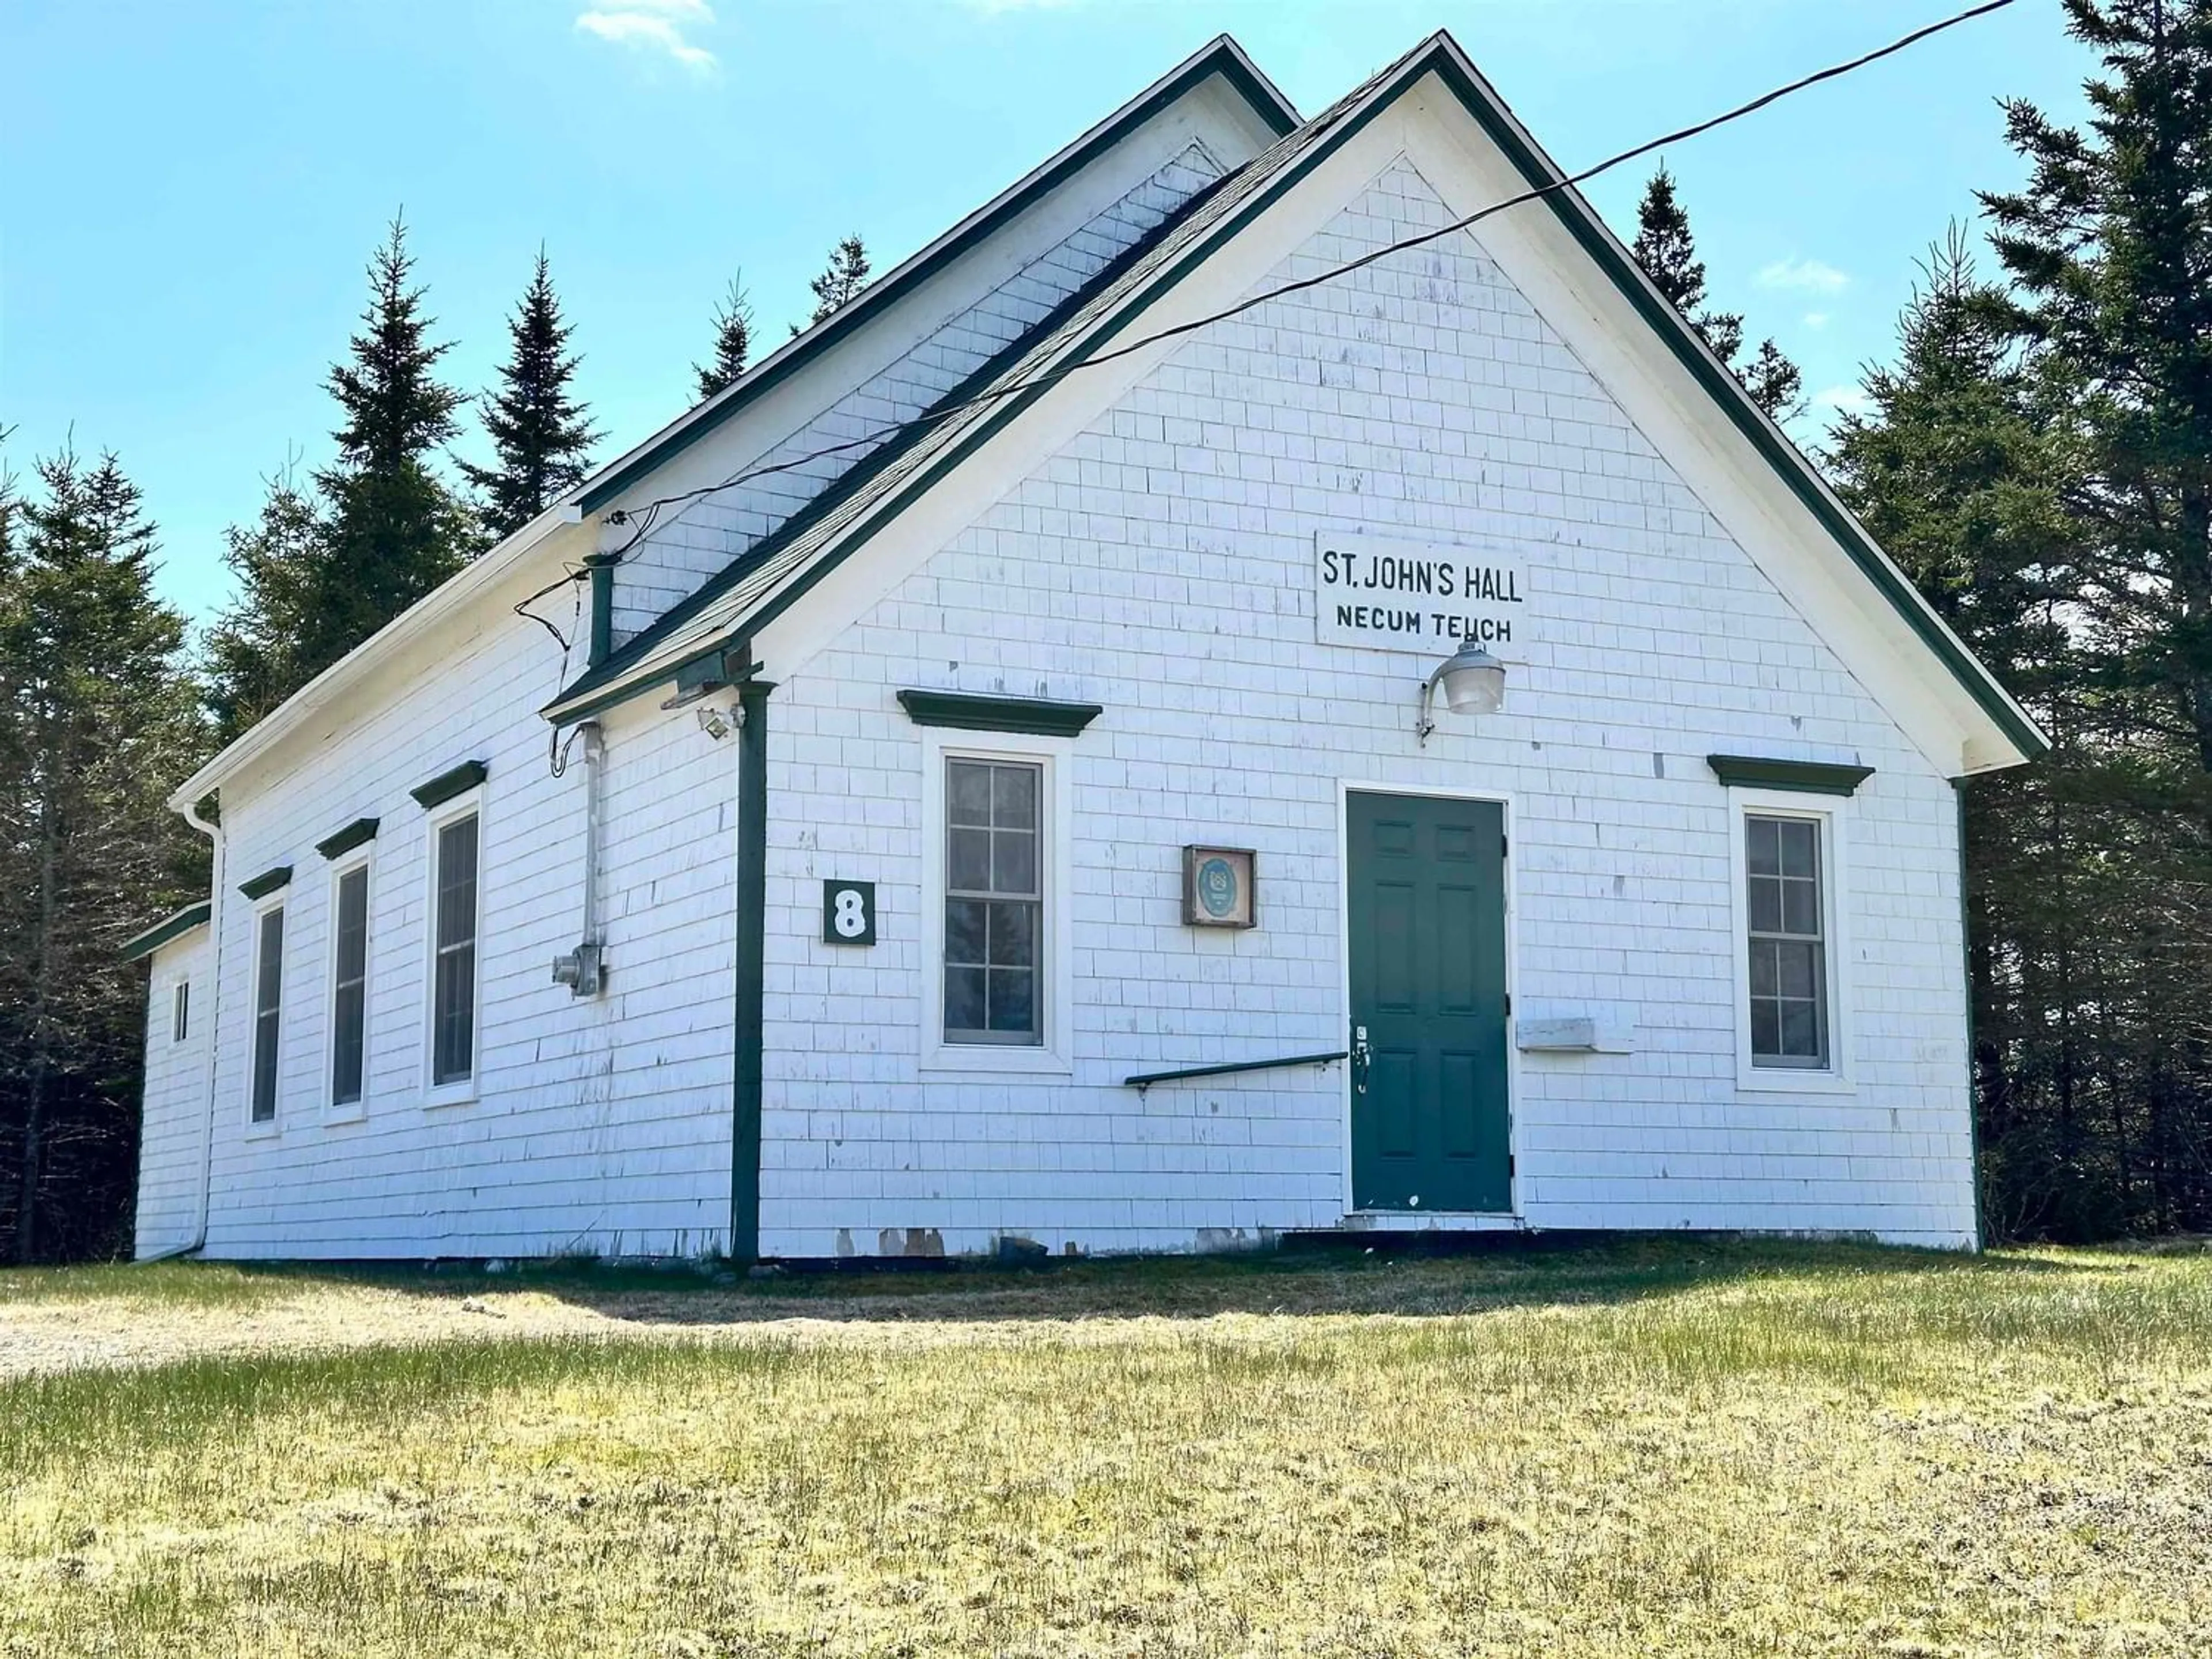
1427, 910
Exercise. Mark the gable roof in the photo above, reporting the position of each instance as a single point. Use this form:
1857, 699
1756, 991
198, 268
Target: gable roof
770, 575
1221, 58
767, 579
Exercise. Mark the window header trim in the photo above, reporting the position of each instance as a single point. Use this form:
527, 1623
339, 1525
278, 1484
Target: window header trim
1806, 777
342, 842
970, 712
261, 886
447, 785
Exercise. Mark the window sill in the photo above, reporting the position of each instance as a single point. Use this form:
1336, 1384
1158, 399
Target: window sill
352, 1112
269, 1131
454, 1094
989, 1059
1779, 1081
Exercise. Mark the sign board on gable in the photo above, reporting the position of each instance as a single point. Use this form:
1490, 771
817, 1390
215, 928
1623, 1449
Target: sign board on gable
1402, 596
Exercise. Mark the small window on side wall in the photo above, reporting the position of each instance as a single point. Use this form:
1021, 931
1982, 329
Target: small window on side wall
268, 1012
348, 984
453, 972
180, 1011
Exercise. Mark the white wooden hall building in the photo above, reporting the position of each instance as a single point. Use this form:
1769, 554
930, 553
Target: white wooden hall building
921, 798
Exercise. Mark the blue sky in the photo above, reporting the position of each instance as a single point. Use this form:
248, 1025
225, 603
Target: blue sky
188, 191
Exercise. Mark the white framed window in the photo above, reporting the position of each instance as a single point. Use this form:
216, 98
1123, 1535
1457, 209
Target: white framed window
346, 1071
450, 978
265, 1057
998, 983
180, 1011
1787, 870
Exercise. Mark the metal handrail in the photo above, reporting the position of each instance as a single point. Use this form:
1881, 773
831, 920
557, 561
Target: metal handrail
1145, 1080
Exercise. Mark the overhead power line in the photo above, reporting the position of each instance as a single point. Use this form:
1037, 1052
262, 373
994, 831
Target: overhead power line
647, 515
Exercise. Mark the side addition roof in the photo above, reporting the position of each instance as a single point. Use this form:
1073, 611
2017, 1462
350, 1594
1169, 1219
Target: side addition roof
168, 931
771, 576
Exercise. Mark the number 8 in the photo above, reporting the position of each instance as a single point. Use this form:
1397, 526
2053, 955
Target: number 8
849, 919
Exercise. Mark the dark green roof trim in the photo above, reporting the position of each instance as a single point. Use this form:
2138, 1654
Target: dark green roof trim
599, 687
1806, 777
970, 713
1583, 223
345, 841
171, 928
1222, 58
446, 785
1573, 212
267, 882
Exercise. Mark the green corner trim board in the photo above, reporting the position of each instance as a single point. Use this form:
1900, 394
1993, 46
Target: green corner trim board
446, 785
342, 842
1808, 777
971, 712
169, 927
746, 1082
267, 882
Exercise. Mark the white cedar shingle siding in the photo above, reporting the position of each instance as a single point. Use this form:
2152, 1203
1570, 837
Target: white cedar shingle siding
1161, 567
174, 1124
600, 1124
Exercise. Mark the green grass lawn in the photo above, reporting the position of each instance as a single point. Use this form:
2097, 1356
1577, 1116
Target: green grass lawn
1666, 1447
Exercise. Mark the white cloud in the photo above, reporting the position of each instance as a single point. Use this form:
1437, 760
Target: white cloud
1816, 319
1843, 400
1809, 276
652, 26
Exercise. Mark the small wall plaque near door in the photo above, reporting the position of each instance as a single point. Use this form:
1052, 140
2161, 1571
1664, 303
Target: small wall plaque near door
848, 912
1217, 888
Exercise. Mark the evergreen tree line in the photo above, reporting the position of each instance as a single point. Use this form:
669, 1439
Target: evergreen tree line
105, 705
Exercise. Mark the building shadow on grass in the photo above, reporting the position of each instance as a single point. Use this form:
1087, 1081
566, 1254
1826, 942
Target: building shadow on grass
1405, 1276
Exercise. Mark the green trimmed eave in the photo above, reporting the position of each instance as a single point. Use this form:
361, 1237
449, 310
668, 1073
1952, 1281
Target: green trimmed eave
969, 712
339, 842
267, 882
1568, 205
1442, 56
1223, 58
457, 781
1806, 777
167, 930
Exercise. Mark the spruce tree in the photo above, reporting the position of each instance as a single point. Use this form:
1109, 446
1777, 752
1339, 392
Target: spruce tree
255, 652
841, 281
1668, 255
2109, 247
539, 433
733, 340
97, 722
395, 529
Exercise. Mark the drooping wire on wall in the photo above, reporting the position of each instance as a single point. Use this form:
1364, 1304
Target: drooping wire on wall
641, 520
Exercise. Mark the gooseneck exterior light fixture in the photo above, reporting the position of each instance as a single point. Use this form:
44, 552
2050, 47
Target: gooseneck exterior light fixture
1473, 683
